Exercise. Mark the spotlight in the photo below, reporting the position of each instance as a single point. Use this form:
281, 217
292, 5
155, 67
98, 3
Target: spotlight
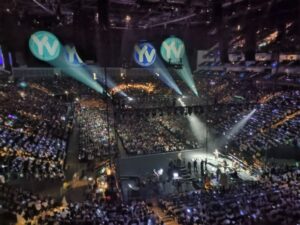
127, 18
22, 94
23, 84
132, 187
130, 99
175, 175
181, 102
160, 172
94, 76
216, 153
108, 171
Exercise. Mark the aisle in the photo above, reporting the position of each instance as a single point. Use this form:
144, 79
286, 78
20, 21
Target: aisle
76, 190
72, 163
162, 216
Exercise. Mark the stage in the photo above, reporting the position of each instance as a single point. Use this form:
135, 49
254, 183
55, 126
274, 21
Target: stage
142, 165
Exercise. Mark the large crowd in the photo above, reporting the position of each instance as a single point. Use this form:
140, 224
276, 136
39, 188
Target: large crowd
142, 136
23, 203
247, 108
34, 209
34, 131
95, 140
274, 123
274, 199
137, 212
180, 127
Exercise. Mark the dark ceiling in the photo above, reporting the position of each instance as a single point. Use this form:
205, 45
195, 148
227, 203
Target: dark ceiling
201, 23
141, 14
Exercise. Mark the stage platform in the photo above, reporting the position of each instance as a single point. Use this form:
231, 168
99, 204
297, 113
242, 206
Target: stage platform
143, 165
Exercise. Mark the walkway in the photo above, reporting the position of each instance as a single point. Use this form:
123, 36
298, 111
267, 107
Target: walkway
76, 188
73, 165
168, 220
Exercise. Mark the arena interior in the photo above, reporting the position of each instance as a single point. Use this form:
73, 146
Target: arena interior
149, 112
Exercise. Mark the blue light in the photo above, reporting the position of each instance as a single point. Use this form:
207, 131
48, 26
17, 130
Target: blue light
1, 58
274, 64
23, 84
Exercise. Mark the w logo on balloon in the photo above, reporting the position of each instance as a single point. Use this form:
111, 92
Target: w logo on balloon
144, 54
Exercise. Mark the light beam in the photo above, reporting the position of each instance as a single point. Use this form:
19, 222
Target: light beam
164, 75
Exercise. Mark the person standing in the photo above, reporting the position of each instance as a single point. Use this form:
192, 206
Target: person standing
195, 166
202, 168
218, 173
225, 165
216, 153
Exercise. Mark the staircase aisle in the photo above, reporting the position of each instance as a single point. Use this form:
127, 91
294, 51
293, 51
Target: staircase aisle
168, 220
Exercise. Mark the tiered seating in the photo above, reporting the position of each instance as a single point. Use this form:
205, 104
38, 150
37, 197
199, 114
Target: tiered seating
33, 131
102, 212
274, 123
178, 126
24, 203
272, 200
94, 142
141, 136
40, 210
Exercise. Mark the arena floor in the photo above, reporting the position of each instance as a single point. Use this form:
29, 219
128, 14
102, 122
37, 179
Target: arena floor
145, 164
